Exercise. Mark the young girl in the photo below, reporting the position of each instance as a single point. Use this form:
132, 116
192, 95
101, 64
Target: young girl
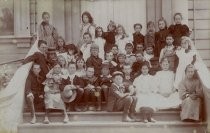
110, 36
47, 32
191, 94
149, 38
71, 53
121, 39
60, 48
80, 65
160, 36
87, 26
186, 56
100, 41
164, 83
62, 62
146, 103
178, 29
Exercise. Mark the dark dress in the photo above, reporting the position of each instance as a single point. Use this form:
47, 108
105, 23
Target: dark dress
95, 62
138, 38
110, 41
178, 31
160, 41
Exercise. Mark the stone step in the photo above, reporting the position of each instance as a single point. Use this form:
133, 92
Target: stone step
114, 127
99, 116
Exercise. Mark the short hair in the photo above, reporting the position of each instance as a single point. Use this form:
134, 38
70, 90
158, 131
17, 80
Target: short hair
41, 42
150, 23
169, 35
71, 63
145, 63
90, 67
87, 33
88, 15
45, 13
129, 45
162, 19
178, 13
80, 59
137, 24
115, 46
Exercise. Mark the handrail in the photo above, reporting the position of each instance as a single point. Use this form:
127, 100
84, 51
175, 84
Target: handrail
11, 62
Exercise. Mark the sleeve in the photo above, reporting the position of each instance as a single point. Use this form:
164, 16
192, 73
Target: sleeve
116, 93
89, 62
92, 31
79, 82
55, 34
30, 58
156, 85
182, 90
161, 54
185, 30
46, 89
49, 74
40, 32
199, 90
28, 85
171, 29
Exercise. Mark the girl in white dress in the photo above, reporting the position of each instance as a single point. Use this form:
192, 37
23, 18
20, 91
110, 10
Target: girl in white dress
186, 56
146, 103
100, 41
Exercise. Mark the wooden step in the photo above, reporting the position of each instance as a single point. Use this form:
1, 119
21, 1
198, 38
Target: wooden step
98, 116
114, 127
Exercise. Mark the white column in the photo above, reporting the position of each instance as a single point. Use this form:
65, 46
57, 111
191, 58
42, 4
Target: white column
180, 6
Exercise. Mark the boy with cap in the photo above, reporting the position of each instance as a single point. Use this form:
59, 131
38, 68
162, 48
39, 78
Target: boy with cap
120, 98
94, 60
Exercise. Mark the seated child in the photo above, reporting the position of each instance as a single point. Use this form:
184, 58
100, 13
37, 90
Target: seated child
130, 57
109, 59
34, 89
92, 89
120, 99
85, 48
80, 65
146, 103
149, 52
139, 48
120, 61
138, 38
128, 78
136, 67
71, 53
94, 60
60, 45
164, 83
115, 52
191, 94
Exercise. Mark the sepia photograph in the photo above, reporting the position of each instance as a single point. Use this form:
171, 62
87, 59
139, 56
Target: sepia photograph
105, 66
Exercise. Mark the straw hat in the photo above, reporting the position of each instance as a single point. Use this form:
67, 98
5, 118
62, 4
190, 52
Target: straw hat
69, 93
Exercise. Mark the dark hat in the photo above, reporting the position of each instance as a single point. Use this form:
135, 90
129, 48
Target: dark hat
69, 93
116, 73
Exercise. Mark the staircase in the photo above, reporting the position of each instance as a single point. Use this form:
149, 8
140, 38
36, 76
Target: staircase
168, 121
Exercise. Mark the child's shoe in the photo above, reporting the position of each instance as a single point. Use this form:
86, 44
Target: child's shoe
33, 121
66, 119
151, 120
46, 120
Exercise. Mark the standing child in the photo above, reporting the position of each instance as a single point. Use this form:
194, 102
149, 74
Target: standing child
85, 48
120, 99
191, 94
149, 38
138, 38
146, 103
100, 41
110, 36
80, 64
160, 36
186, 56
178, 29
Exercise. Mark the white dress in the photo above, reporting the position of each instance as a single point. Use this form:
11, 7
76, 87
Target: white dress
164, 84
121, 43
145, 92
184, 60
100, 42
85, 49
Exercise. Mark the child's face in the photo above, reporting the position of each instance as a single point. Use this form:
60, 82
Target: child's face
129, 49
72, 69
118, 79
46, 18
99, 32
151, 28
94, 52
184, 44
169, 40
115, 50
85, 19
110, 27
109, 56
120, 31
70, 51
43, 48
57, 69
61, 61
36, 69
165, 65
177, 19
139, 47
50, 82
127, 69
105, 71
149, 50
161, 25
190, 73
137, 28
139, 57
80, 64
90, 72
87, 38
144, 70
121, 59
60, 42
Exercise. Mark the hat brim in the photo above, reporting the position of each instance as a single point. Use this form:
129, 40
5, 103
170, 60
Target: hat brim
68, 100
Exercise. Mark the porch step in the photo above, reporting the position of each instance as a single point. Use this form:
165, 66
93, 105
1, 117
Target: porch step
99, 116
114, 127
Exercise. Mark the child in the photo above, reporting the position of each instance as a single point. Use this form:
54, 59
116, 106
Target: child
71, 52
149, 38
138, 38
178, 29
60, 48
105, 80
139, 48
34, 89
136, 67
186, 56
53, 96
92, 89
164, 82
80, 64
191, 94
128, 78
120, 62
115, 52
129, 49
121, 38
110, 36
120, 99
160, 36
144, 92
85, 48
51, 57
94, 60
149, 52
100, 41
47, 32
169, 52
109, 59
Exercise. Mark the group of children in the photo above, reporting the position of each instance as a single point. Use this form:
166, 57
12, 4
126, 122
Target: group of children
142, 74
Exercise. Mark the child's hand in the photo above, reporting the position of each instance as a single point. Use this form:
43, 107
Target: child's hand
30, 95
41, 96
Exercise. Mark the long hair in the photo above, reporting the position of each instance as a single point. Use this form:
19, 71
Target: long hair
64, 43
123, 29
96, 31
80, 59
89, 17
162, 19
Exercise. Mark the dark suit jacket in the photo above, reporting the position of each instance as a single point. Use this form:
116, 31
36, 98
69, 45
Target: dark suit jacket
77, 81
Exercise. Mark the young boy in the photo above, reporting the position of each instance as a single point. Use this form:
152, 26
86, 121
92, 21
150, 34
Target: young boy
85, 48
129, 49
92, 89
120, 98
34, 90
94, 60
121, 61
109, 59
138, 38
139, 48
149, 52
136, 67
40, 57
115, 52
